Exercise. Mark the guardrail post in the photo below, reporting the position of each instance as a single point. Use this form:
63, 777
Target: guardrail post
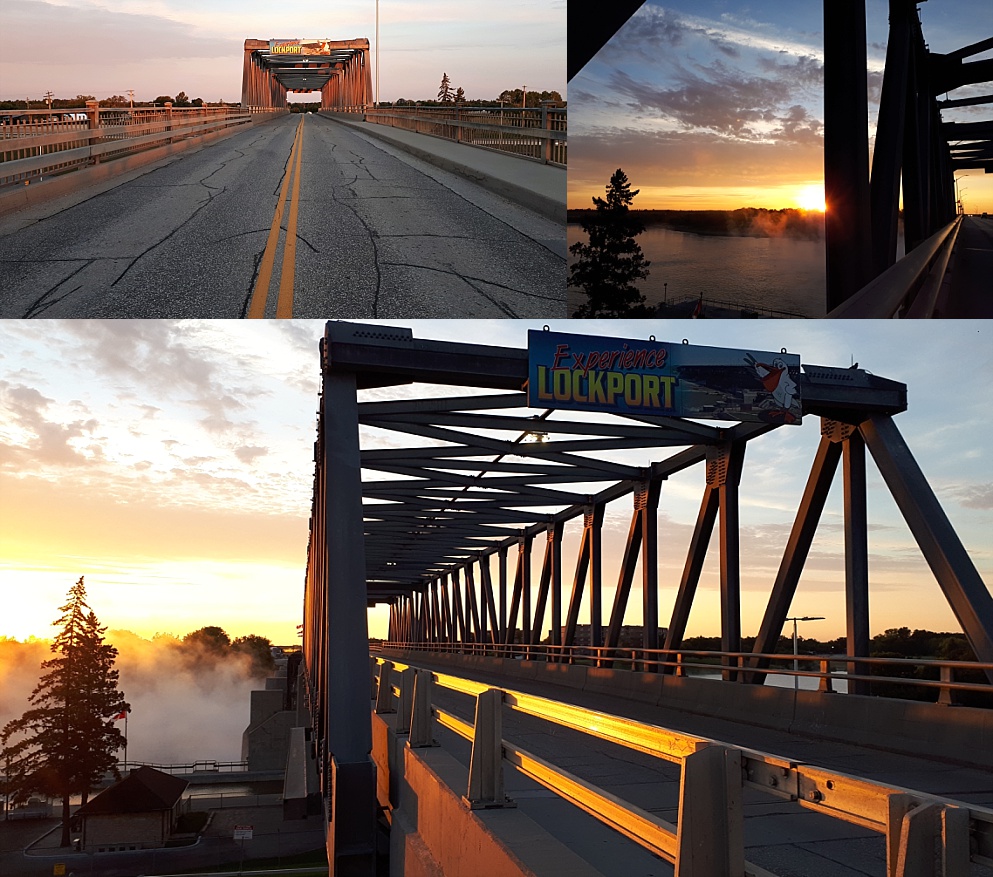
546, 124
420, 714
168, 109
926, 839
384, 695
486, 763
826, 684
947, 696
406, 703
710, 834
93, 119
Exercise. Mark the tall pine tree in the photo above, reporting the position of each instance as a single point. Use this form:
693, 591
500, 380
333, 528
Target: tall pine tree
606, 267
445, 90
67, 742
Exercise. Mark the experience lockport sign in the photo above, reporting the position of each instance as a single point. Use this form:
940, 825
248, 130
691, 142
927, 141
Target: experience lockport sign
627, 376
299, 47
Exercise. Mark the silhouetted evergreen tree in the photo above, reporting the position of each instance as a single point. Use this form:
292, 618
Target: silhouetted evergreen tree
67, 742
606, 267
445, 90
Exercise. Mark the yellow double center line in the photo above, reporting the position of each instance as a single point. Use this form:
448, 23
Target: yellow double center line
260, 294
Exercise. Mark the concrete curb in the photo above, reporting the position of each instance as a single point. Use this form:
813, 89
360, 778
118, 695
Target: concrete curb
550, 208
69, 183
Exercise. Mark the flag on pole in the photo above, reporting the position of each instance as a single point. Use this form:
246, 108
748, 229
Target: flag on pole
123, 714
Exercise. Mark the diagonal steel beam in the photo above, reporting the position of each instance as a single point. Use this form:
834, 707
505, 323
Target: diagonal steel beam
965, 591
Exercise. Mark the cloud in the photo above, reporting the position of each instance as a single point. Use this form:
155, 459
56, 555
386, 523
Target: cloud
972, 496
248, 454
47, 441
133, 38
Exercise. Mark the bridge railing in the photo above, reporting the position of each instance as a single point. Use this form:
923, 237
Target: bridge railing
193, 767
39, 143
536, 133
909, 287
708, 836
940, 681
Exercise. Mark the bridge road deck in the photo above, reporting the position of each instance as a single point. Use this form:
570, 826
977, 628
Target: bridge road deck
381, 234
780, 836
970, 293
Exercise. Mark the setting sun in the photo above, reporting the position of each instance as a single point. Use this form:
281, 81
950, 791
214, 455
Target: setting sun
811, 197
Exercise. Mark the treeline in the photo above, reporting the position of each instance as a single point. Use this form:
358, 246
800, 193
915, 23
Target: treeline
511, 97
116, 100
214, 643
745, 222
896, 642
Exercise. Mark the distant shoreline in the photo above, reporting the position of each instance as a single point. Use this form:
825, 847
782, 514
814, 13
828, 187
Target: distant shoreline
744, 222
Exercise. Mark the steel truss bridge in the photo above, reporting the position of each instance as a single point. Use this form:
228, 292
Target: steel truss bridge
338, 69
439, 519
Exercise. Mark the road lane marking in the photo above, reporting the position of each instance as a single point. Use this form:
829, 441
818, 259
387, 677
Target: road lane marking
284, 302
260, 293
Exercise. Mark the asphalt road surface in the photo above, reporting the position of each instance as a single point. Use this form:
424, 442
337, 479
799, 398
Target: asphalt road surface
971, 293
374, 232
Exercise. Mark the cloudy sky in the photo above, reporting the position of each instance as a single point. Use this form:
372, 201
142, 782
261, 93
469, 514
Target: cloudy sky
171, 464
718, 104
104, 47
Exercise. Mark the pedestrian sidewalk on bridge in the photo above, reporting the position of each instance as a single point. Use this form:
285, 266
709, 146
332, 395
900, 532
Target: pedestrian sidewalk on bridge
539, 187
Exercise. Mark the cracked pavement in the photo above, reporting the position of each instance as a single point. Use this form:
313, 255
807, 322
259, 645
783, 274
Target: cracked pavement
381, 234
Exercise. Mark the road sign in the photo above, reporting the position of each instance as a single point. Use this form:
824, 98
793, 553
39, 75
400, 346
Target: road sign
243, 832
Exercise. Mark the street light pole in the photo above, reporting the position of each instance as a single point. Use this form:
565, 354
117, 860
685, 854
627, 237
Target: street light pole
377, 53
796, 661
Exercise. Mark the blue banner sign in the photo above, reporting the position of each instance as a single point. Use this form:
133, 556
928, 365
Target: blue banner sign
625, 376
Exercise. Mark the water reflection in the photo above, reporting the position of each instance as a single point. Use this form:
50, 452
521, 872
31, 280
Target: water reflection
782, 273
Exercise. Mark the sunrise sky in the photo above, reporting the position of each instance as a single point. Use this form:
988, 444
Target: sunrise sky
104, 47
710, 104
171, 464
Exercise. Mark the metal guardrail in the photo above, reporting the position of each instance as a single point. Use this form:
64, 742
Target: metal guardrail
909, 287
713, 776
39, 143
535, 133
206, 766
738, 667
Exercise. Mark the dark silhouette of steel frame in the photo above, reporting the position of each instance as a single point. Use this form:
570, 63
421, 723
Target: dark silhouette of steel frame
420, 536
912, 142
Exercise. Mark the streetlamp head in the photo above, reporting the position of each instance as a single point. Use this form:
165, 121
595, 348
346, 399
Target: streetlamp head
811, 618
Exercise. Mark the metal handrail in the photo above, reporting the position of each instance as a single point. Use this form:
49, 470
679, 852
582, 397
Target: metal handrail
894, 293
743, 664
537, 134
41, 146
877, 806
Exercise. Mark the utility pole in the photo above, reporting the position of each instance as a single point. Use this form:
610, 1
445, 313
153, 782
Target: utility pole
48, 98
131, 95
524, 97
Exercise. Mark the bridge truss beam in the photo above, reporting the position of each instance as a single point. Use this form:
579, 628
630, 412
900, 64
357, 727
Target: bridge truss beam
912, 143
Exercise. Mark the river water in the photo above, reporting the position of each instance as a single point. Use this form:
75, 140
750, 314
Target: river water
779, 273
